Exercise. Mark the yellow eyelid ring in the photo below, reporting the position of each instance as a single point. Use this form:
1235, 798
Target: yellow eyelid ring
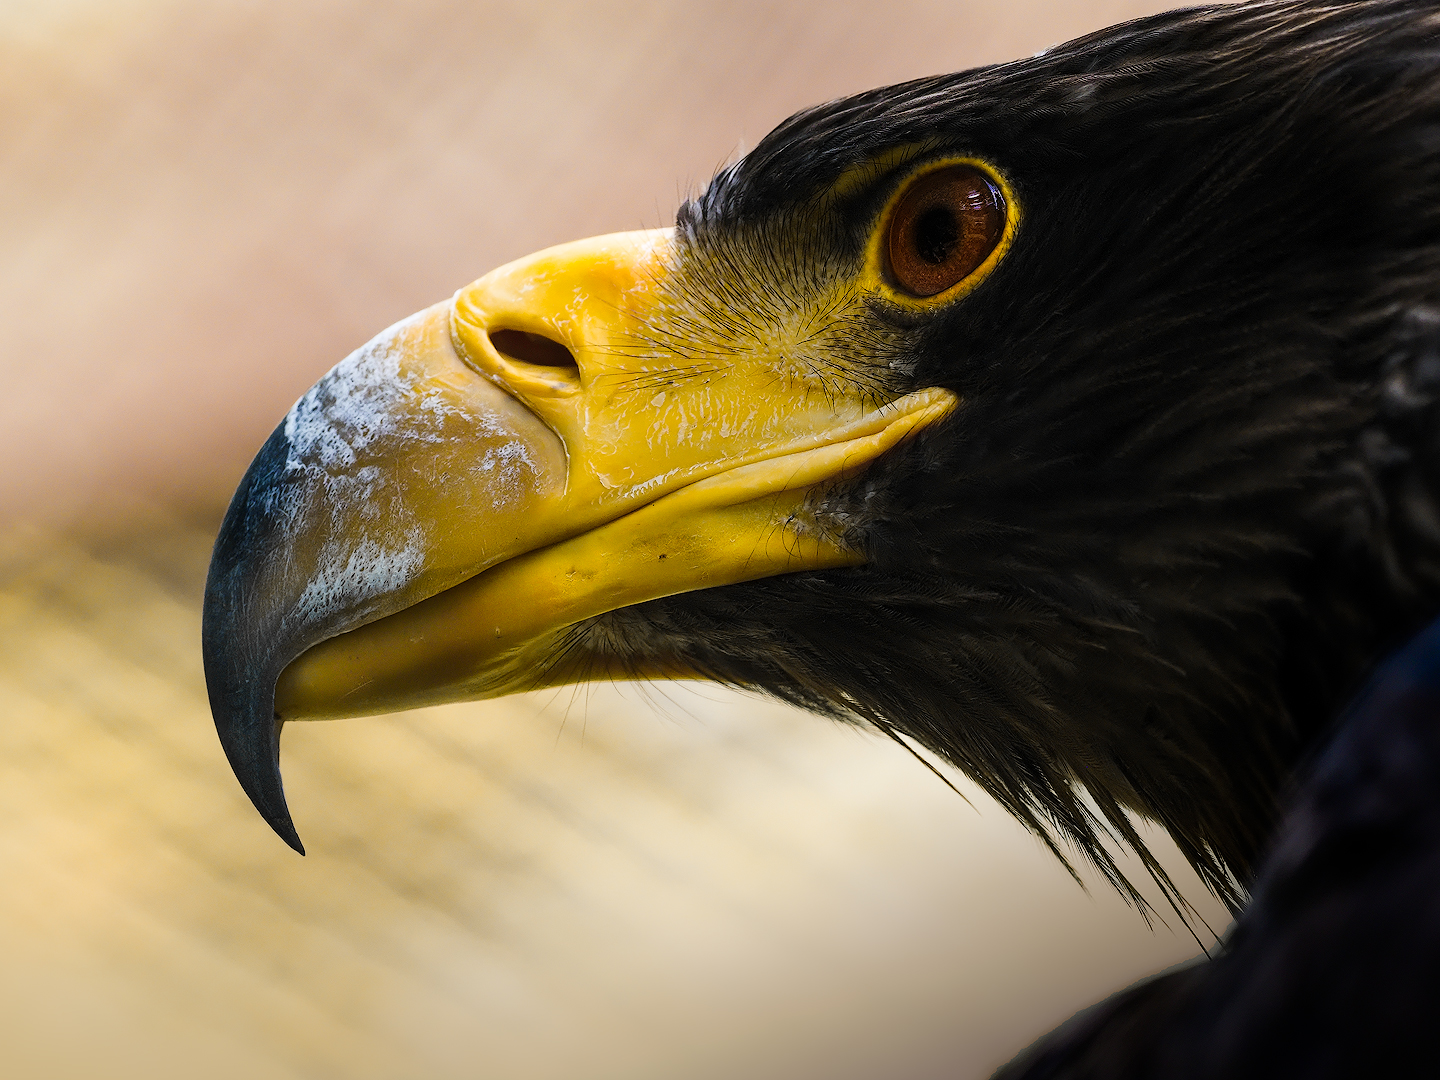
876, 276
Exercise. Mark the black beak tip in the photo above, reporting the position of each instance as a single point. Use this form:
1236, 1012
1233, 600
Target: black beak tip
257, 767
284, 827
286, 830
274, 811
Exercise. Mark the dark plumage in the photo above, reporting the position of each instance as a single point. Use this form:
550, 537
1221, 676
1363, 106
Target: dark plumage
1331, 969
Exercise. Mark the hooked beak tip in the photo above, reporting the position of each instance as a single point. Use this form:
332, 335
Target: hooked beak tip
259, 776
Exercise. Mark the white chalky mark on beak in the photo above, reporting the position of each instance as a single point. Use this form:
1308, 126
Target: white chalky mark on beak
351, 575
329, 431
372, 402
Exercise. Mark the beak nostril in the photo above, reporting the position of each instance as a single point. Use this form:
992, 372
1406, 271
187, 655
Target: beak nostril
533, 349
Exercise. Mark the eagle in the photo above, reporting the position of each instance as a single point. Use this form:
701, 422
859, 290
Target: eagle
1074, 419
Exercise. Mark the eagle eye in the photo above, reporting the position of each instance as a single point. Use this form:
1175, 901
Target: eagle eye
943, 228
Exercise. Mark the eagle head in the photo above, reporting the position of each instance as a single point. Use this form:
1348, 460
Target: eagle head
1071, 418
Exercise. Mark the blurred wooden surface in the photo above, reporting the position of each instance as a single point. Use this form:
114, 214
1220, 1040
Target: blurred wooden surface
203, 208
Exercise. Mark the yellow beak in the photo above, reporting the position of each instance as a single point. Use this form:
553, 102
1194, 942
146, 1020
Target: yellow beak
435, 516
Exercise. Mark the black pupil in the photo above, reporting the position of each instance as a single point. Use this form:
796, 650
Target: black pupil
936, 234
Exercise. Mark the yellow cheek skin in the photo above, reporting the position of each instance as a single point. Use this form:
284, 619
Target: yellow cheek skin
640, 418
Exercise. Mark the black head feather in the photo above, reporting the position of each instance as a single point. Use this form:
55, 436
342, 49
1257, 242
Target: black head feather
1190, 494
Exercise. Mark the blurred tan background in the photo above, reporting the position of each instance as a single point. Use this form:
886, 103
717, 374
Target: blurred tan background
202, 207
